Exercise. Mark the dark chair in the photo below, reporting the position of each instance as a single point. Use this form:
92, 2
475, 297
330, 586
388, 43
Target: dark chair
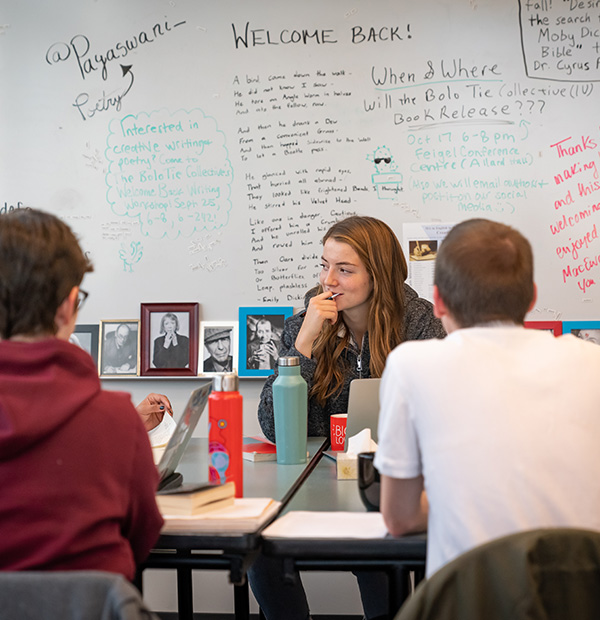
546, 574
70, 595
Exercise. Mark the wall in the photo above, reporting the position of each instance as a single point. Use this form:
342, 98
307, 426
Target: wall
205, 163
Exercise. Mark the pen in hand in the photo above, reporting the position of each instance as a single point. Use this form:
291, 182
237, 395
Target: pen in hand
303, 313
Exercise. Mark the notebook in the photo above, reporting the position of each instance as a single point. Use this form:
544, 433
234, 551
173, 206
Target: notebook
363, 407
181, 437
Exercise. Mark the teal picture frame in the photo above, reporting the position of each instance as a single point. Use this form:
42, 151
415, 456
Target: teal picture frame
260, 330
586, 330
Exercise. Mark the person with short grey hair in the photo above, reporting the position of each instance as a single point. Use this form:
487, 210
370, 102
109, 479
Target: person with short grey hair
217, 341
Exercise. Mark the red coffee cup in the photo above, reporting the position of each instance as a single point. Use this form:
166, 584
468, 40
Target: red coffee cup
337, 423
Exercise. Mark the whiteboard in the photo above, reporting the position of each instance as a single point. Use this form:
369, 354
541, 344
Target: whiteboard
200, 149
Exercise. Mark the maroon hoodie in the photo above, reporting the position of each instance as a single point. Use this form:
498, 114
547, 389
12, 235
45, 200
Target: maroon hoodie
77, 478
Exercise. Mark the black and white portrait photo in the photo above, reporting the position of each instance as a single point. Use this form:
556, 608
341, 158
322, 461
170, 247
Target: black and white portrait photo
219, 340
170, 339
119, 348
261, 329
263, 337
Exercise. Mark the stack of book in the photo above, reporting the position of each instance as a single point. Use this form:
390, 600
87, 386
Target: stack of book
193, 500
245, 515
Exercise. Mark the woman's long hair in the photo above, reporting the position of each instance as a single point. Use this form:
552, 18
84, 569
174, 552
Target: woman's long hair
381, 254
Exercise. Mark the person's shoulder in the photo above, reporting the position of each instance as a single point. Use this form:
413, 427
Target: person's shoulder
420, 321
117, 409
578, 346
413, 353
209, 365
294, 322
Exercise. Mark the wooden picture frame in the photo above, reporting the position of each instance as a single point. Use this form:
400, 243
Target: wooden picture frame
87, 337
162, 322
586, 330
216, 353
119, 344
552, 326
258, 353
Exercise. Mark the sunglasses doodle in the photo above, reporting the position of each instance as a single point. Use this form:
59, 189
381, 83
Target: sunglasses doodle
387, 179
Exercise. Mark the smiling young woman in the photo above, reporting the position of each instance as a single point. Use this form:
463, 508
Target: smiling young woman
350, 337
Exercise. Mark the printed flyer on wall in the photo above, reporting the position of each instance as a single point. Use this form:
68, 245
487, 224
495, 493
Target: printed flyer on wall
421, 243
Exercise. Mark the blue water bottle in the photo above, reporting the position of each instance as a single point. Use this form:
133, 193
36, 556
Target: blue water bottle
290, 406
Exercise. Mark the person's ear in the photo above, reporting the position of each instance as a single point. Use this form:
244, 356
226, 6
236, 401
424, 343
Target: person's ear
439, 307
64, 317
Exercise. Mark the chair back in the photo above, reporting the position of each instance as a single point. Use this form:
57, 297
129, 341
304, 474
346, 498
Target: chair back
545, 574
70, 595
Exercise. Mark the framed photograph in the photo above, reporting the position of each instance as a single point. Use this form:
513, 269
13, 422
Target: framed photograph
169, 340
260, 336
586, 330
219, 347
551, 326
86, 337
119, 348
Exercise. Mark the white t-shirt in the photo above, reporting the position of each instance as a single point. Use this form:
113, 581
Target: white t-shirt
504, 424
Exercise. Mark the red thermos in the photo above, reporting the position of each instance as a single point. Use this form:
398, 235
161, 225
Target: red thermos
225, 432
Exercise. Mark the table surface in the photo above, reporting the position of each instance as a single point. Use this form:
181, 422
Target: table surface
322, 491
261, 479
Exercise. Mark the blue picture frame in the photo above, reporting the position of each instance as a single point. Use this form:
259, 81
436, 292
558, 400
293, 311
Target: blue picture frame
580, 328
260, 330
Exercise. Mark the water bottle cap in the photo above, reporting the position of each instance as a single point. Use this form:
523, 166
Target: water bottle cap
292, 360
225, 382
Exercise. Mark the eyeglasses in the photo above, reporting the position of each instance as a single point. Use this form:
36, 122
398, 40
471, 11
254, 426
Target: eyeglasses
387, 160
81, 297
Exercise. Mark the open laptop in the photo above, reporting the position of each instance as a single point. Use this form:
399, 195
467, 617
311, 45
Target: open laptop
363, 407
181, 437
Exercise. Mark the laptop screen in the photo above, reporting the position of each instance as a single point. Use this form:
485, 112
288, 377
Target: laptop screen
183, 431
363, 407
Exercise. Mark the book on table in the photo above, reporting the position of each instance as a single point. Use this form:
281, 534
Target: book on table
247, 514
259, 449
195, 499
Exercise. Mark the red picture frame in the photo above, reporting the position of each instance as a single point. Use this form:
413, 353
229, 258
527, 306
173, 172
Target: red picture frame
163, 324
552, 326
